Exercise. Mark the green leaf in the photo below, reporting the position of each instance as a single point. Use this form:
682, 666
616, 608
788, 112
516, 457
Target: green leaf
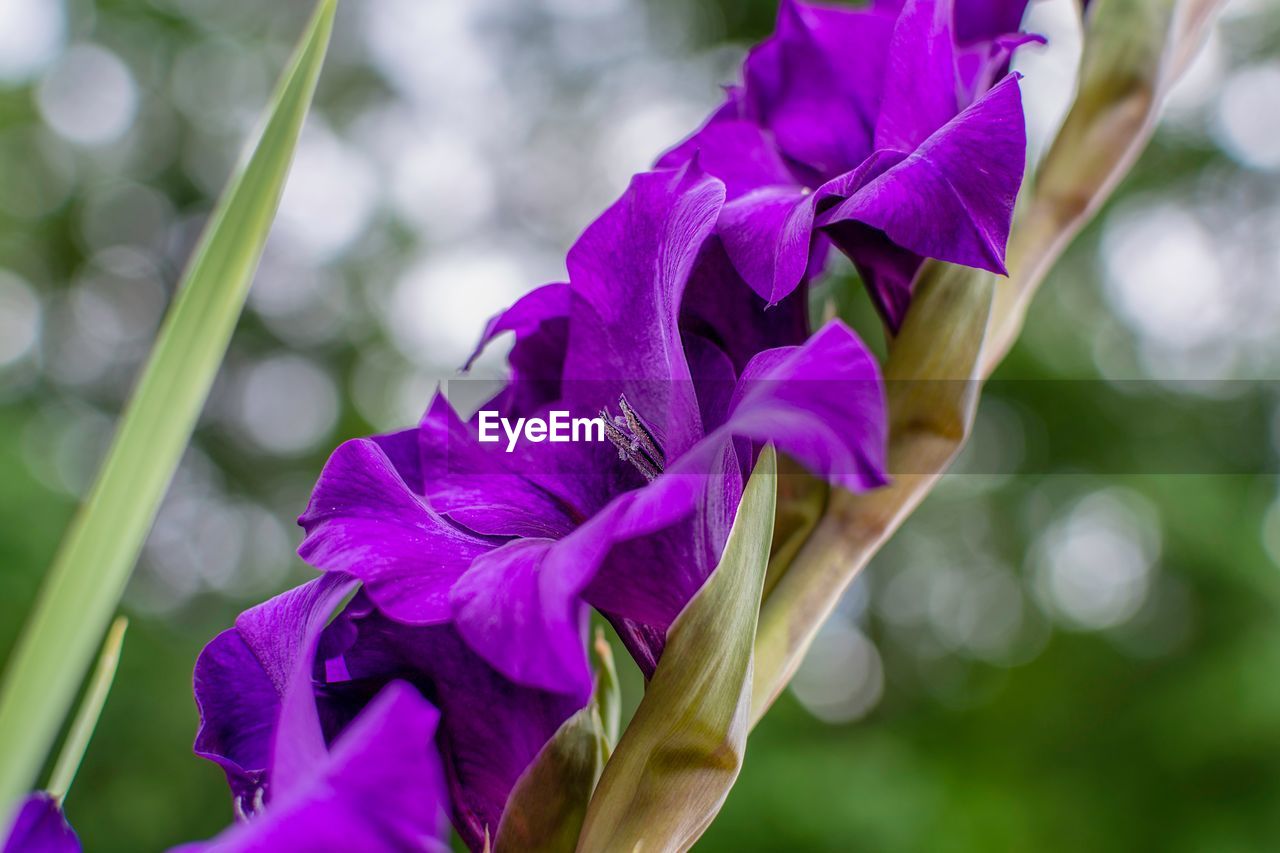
683, 749
86, 719
97, 555
548, 804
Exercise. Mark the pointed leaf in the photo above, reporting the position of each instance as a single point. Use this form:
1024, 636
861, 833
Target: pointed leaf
683, 749
97, 555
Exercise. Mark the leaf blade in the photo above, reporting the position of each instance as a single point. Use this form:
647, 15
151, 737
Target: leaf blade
96, 557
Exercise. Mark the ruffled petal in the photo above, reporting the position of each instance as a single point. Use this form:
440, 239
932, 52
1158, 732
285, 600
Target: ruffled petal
767, 235
526, 619
722, 308
952, 198
628, 273
822, 404
816, 83
540, 323
486, 489
365, 520
254, 692
740, 153
920, 83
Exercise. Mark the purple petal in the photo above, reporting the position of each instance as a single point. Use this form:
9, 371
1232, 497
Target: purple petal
491, 729
540, 323
821, 403
952, 198
253, 688
379, 789
657, 549
238, 707
980, 20
920, 83
816, 83
887, 270
720, 307
738, 152
975, 20
628, 273
528, 314
981, 64
365, 520
482, 487
40, 827
767, 235
526, 619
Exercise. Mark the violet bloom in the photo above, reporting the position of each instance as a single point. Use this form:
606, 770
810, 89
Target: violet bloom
305, 773
40, 827
875, 129
511, 548
327, 746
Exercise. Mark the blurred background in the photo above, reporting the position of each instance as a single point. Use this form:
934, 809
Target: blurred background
1073, 644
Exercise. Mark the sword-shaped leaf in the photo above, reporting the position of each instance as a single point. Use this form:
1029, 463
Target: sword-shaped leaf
97, 555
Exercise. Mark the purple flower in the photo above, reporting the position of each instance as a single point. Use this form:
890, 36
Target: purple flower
376, 788
40, 827
511, 548
308, 772
491, 729
324, 740
878, 128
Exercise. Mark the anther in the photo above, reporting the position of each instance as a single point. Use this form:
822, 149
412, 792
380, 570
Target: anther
635, 441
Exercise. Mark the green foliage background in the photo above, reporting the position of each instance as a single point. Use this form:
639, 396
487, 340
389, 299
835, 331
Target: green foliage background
1162, 732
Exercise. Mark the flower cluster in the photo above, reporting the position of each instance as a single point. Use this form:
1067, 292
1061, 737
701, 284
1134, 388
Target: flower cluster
463, 575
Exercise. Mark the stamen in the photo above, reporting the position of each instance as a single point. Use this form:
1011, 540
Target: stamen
635, 442
644, 439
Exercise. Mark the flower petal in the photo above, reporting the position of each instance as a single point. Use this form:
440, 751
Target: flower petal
365, 520
952, 198
481, 486
816, 83
720, 307
491, 729
628, 273
821, 403
40, 827
740, 153
379, 789
540, 322
253, 688
767, 235
920, 81
525, 619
